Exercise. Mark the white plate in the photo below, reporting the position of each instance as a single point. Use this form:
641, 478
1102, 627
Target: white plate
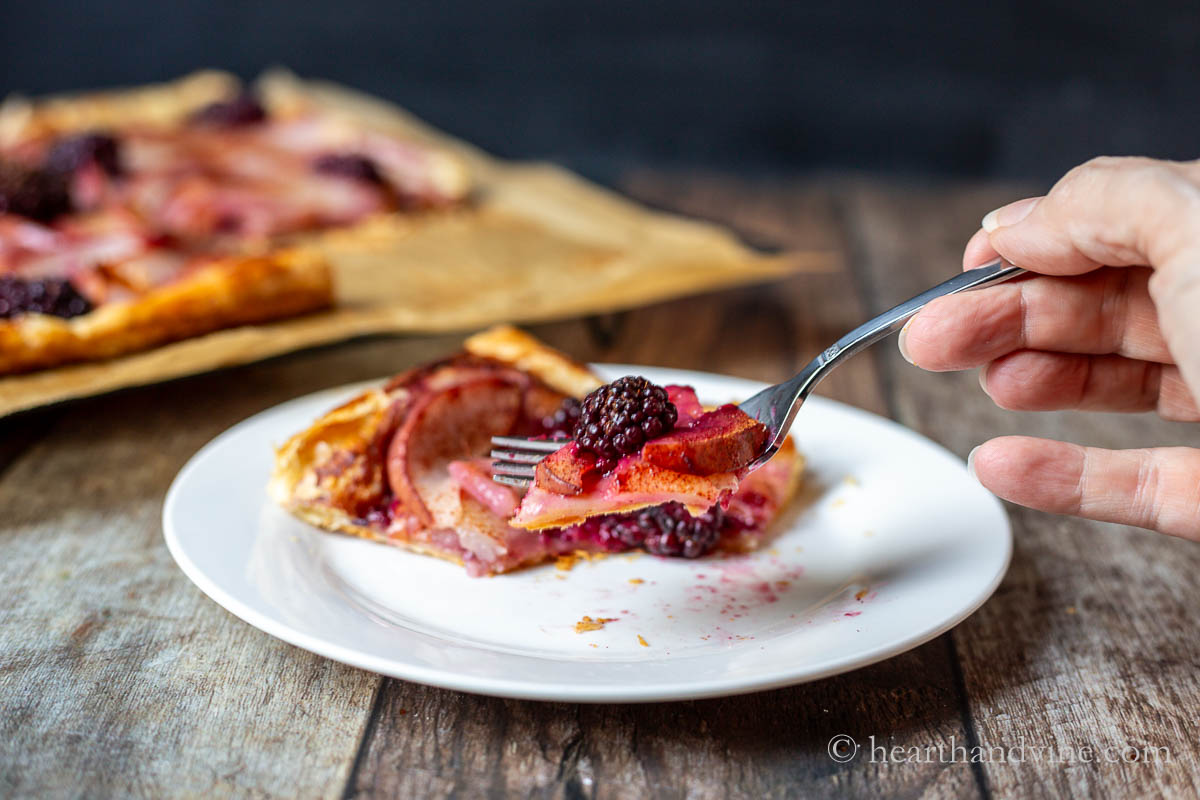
890, 544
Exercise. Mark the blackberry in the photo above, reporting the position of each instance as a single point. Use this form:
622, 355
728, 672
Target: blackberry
666, 530
349, 165
564, 419
676, 532
618, 418
614, 533
70, 153
38, 194
244, 109
52, 296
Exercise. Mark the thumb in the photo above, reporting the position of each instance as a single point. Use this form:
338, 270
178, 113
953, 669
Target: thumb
1155, 488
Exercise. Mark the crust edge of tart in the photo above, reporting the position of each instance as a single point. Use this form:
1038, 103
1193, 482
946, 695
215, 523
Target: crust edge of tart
517, 348
227, 293
153, 104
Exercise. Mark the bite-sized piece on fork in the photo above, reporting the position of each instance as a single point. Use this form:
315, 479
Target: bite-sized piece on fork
516, 461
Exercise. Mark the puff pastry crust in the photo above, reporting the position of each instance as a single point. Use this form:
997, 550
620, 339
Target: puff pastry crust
222, 294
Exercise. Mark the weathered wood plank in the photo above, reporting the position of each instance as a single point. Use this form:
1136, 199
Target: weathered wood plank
117, 676
1094, 636
434, 743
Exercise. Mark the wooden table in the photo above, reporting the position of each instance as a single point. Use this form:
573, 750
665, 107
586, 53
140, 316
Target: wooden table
118, 677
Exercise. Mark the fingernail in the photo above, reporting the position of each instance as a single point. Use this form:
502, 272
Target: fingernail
983, 378
971, 462
1010, 214
900, 341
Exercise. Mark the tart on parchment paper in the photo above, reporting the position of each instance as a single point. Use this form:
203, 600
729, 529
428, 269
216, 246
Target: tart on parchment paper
178, 210
524, 243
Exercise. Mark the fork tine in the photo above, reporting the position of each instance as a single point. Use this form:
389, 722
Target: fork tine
517, 457
536, 445
521, 483
513, 470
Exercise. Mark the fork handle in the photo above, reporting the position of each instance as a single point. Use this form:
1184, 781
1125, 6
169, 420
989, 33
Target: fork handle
763, 405
893, 319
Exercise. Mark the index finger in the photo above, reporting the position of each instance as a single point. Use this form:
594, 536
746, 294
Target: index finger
1109, 311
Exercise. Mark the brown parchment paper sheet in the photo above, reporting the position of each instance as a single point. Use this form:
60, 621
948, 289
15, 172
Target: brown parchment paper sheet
536, 243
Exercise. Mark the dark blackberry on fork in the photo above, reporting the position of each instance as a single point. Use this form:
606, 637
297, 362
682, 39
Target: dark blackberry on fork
618, 418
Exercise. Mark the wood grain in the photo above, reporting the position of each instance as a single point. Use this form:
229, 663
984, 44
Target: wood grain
117, 677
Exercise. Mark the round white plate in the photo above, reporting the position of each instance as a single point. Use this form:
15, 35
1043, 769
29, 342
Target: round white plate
889, 544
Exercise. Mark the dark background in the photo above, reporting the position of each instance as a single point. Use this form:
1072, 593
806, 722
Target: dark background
1018, 89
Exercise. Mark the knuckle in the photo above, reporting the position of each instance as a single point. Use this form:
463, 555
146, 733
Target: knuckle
1102, 171
1135, 209
1155, 176
1146, 493
1089, 180
1104, 167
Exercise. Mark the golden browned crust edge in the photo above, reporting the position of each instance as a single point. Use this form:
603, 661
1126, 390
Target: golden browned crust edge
796, 477
518, 349
354, 422
227, 293
152, 105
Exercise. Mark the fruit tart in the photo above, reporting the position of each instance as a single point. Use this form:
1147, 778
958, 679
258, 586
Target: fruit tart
133, 219
641, 466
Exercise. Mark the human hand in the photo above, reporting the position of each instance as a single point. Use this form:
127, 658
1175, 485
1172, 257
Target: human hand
1111, 322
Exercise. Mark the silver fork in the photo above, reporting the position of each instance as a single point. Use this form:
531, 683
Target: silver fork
515, 459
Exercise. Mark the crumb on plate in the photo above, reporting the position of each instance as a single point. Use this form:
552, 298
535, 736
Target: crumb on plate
588, 624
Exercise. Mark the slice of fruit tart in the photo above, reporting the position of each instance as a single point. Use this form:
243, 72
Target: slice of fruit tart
641, 466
